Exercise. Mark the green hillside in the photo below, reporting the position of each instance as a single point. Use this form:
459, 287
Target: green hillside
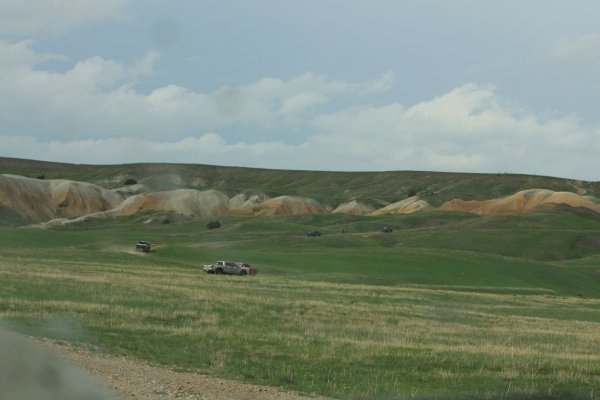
332, 188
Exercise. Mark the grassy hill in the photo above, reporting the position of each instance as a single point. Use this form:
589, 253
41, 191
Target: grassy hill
332, 188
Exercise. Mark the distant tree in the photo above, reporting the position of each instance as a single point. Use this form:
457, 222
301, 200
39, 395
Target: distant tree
41, 176
213, 225
412, 192
130, 181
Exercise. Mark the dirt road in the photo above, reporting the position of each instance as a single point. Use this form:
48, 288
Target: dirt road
131, 379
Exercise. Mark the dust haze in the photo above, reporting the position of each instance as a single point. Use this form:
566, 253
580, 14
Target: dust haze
28, 372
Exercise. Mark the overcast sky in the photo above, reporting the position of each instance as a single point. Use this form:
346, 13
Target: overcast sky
462, 85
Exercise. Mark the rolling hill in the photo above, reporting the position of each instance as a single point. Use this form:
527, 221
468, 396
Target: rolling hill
329, 188
36, 191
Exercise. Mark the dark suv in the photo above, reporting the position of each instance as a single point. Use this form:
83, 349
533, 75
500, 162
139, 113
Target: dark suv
142, 246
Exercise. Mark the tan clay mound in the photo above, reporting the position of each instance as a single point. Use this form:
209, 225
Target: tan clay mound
243, 204
406, 206
522, 202
460, 205
354, 207
289, 205
39, 200
189, 202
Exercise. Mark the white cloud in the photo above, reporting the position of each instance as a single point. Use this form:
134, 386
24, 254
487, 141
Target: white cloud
98, 97
92, 113
577, 49
468, 129
369, 139
34, 17
208, 148
302, 101
19, 58
87, 98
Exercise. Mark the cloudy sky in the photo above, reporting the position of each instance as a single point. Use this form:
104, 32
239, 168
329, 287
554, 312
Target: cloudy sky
462, 85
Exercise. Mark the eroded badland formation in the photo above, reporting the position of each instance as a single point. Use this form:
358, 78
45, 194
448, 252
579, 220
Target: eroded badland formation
38, 200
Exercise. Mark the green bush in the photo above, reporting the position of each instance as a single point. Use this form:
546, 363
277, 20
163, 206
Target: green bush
213, 225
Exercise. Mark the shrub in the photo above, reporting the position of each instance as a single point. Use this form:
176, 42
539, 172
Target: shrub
213, 225
130, 181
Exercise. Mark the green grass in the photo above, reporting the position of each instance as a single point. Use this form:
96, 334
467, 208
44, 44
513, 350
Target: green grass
447, 306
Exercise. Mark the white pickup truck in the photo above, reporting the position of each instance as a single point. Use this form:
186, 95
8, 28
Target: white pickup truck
228, 267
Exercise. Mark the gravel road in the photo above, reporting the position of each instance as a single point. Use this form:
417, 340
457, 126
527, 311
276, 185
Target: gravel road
130, 379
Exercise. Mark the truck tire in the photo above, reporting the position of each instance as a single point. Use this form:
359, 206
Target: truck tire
243, 272
218, 271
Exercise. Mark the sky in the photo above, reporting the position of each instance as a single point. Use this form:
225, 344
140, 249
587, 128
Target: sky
341, 85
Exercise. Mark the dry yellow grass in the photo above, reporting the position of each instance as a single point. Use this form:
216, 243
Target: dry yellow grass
510, 335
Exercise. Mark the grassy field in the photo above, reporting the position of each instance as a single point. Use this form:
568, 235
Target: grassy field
447, 306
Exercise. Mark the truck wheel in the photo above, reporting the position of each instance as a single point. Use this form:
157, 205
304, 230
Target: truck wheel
243, 272
219, 271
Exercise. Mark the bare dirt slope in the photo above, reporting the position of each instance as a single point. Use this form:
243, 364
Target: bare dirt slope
407, 206
58, 202
190, 202
39, 200
521, 202
354, 207
131, 379
289, 205
242, 204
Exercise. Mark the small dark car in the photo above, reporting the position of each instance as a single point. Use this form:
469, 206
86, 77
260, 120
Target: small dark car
313, 233
142, 246
387, 229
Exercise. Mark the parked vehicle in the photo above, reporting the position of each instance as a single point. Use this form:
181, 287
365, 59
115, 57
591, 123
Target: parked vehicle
387, 229
251, 270
313, 233
229, 268
142, 246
